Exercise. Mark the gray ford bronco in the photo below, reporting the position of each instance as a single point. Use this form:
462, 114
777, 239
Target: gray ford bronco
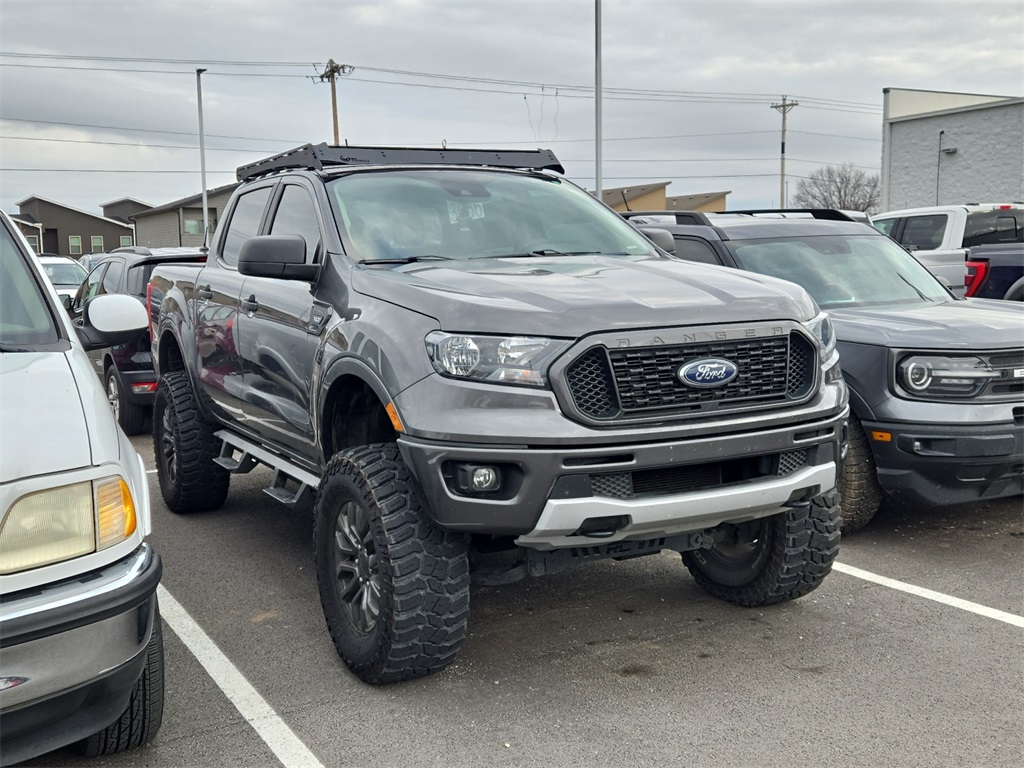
479, 371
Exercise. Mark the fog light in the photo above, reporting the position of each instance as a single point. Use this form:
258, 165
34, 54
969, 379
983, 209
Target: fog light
474, 478
485, 479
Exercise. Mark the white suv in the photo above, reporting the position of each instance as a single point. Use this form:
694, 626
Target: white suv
81, 650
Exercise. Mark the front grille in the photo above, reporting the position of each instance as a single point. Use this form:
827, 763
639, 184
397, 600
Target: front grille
665, 481
608, 384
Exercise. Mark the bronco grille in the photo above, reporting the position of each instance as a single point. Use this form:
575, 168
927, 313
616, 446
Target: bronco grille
609, 384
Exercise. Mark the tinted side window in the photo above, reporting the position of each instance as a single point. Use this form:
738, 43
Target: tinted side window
925, 232
696, 250
296, 215
137, 279
245, 222
987, 227
885, 225
112, 280
88, 289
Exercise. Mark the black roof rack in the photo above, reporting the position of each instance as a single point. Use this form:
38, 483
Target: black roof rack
316, 157
828, 214
681, 217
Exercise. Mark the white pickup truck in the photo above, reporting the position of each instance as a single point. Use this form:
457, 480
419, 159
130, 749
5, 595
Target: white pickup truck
939, 236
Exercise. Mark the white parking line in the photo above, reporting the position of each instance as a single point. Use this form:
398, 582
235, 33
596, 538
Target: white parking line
939, 597
258, 713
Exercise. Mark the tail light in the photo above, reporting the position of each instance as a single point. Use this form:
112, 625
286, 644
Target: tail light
976, 271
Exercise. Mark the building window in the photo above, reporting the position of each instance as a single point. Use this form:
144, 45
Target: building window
126, 241
192, 221
75, 245
97, 243
33, 240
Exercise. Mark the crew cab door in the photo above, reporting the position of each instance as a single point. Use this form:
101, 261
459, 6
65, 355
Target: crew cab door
279, 327
218, 288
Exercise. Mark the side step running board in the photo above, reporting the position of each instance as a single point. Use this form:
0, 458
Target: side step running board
239, 456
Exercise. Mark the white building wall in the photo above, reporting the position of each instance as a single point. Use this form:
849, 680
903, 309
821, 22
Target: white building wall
987, 167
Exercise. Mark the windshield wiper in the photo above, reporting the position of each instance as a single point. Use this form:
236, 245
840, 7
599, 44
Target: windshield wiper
405, 259
914, 287
553, 252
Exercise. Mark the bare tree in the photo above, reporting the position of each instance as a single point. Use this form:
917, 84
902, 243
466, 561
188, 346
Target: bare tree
839, 186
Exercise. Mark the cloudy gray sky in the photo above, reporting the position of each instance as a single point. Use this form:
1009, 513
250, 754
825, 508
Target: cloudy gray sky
99, 98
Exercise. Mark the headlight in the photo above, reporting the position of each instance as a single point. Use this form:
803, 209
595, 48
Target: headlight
61, 523
499, 359
951, 377
824, 332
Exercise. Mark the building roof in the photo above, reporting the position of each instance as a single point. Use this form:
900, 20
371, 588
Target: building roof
72, 208
689, 202
620, 195
125, 200
186, 202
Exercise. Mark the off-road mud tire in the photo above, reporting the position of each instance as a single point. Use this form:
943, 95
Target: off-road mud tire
397, 604
861, 493
141, 719
778, 558
184, 447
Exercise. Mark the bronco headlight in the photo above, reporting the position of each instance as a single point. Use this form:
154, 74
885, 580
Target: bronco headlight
825, 333
498, 359
944, 377
61, 523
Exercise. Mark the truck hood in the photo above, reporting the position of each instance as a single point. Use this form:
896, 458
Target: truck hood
47, 426
570, 296
969, 324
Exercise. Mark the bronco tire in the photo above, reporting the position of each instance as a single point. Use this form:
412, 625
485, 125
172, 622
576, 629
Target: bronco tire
145, 711
184, 447
859, 487
772, 559
393, 585
131, 416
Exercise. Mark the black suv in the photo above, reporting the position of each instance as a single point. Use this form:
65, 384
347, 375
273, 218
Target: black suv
935, 382
127, 369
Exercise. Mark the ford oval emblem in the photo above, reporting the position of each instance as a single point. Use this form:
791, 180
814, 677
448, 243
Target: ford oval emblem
709, 372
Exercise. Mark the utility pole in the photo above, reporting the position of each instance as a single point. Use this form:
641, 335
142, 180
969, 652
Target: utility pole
784, 108
331, 73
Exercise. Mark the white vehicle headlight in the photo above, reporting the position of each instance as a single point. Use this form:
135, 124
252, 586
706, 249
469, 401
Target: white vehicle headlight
519, 360
944, 377
62, 523
823, 330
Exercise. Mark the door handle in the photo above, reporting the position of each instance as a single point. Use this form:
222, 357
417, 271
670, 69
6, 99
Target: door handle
250, 304
204, 293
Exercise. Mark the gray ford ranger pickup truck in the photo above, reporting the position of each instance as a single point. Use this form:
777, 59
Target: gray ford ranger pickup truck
477, 370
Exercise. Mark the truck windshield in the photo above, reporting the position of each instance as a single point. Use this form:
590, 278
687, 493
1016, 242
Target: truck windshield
842, 270
26, 321
416, 214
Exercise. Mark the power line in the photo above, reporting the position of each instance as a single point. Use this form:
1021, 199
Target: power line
628, 94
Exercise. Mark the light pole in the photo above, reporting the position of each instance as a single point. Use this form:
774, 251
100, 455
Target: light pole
938, 163
598, 181
202, 156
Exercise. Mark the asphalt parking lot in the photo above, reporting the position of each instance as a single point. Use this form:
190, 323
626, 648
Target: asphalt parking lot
910, 654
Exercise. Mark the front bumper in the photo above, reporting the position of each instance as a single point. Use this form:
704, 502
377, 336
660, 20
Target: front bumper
940, 464
551, 495
70, 654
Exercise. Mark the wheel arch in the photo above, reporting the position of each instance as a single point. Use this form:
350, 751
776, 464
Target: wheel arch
353, 408
1016, 291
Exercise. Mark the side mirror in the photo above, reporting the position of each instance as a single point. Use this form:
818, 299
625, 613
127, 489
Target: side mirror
111, 319
661, 238
65, 301
280, 256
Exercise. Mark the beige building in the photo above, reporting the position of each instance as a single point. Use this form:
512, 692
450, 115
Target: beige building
652, 197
